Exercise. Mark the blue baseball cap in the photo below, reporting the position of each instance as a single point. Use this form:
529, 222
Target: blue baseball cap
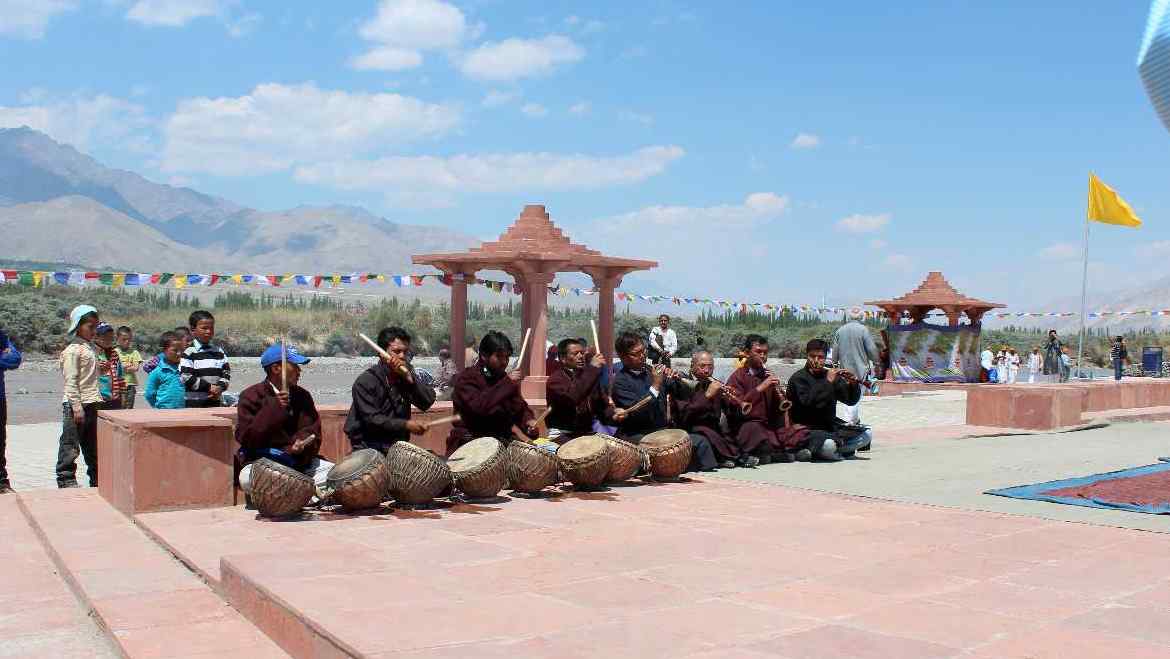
103, 328
272, 356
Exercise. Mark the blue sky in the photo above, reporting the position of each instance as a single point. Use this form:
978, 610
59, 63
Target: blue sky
778, 151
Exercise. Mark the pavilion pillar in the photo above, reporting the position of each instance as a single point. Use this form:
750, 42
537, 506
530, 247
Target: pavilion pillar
458, 318
953, 314
605, 283
533, 386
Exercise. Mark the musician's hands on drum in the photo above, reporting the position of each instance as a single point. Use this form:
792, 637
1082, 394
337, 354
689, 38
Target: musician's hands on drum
531, 429
282, 398
416, 427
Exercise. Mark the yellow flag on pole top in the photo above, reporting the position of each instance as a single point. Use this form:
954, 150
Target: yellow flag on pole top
1106, 206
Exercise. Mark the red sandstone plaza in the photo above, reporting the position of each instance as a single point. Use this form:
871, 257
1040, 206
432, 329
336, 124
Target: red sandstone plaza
168, 562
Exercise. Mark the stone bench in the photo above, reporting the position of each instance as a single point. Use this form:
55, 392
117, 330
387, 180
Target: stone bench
151, 460
1051, 406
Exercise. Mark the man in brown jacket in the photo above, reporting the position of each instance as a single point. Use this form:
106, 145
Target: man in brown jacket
487, 396
574, 392
280, 425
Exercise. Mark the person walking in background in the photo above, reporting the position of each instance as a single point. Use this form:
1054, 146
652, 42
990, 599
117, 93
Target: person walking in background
204, 367
79, 407
1035, 363
10, 359
1013, 361
164, 386
1053, 363
445, 375
131, 361
986, 363
1119, 356
856, 352
1065, 364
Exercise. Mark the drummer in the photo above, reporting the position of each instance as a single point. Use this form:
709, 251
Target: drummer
486, 395
574, 392
703, 410
635, 382
383, 395
278, 424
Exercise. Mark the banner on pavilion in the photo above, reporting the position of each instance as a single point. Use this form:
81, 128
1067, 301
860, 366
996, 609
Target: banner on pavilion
922, 352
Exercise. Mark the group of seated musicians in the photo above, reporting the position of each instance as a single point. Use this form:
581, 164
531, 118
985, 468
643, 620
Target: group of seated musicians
742, 422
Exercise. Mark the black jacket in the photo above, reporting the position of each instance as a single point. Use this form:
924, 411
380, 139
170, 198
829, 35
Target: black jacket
814, 398
380, 410
629, 388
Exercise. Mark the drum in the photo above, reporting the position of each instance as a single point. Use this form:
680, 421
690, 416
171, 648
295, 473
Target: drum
360, 480
416, 474
625, 459
279, 491
585, 460
479, 468
530, 468
669, 451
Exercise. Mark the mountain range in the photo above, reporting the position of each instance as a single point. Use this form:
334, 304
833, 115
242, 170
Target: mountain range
60, 205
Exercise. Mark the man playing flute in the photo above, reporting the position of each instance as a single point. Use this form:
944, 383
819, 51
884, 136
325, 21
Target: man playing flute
383, 395
702, 411
815, 391
758, 431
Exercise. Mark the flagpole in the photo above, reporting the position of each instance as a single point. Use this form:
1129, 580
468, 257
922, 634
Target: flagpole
1084, 292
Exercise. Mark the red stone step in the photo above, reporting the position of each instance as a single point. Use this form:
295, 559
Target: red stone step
148, 603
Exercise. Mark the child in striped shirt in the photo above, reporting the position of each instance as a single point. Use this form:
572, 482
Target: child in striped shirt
204, 368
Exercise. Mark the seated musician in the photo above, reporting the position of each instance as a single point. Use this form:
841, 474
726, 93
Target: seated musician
574, 392
757, 432
637, 381
282, 426
383, 395
486, 395
815, 391
701, 412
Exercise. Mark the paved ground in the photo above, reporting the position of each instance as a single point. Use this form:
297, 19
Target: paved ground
32, 456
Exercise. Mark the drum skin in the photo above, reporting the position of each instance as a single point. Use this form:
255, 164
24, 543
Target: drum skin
480, 468
585, 460
360, 481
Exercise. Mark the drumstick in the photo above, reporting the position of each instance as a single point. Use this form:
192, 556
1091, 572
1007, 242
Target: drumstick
523, 347
283, 366
440, 421
543, 415
639, 405
596, 343
378, 349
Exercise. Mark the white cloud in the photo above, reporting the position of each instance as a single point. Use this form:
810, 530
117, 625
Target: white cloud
636, 117
512, 59
580, 108
756, 208
859, 223
805, 141
1060, 252
82, 121
898, 262
877, 243
27, 19
500, 172
172, 13
403, 29
277, 126
495, 98
534, 110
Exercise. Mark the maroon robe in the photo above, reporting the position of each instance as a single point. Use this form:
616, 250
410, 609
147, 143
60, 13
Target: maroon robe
758, 429
487, 407
699, 414
576, 400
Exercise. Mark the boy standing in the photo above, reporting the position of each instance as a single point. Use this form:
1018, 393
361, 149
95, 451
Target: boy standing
9, 359
79, 367
184, 334
131, 361
204, 367
164, 388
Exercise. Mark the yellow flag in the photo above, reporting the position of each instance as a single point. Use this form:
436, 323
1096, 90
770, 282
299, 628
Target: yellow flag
1105, 205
